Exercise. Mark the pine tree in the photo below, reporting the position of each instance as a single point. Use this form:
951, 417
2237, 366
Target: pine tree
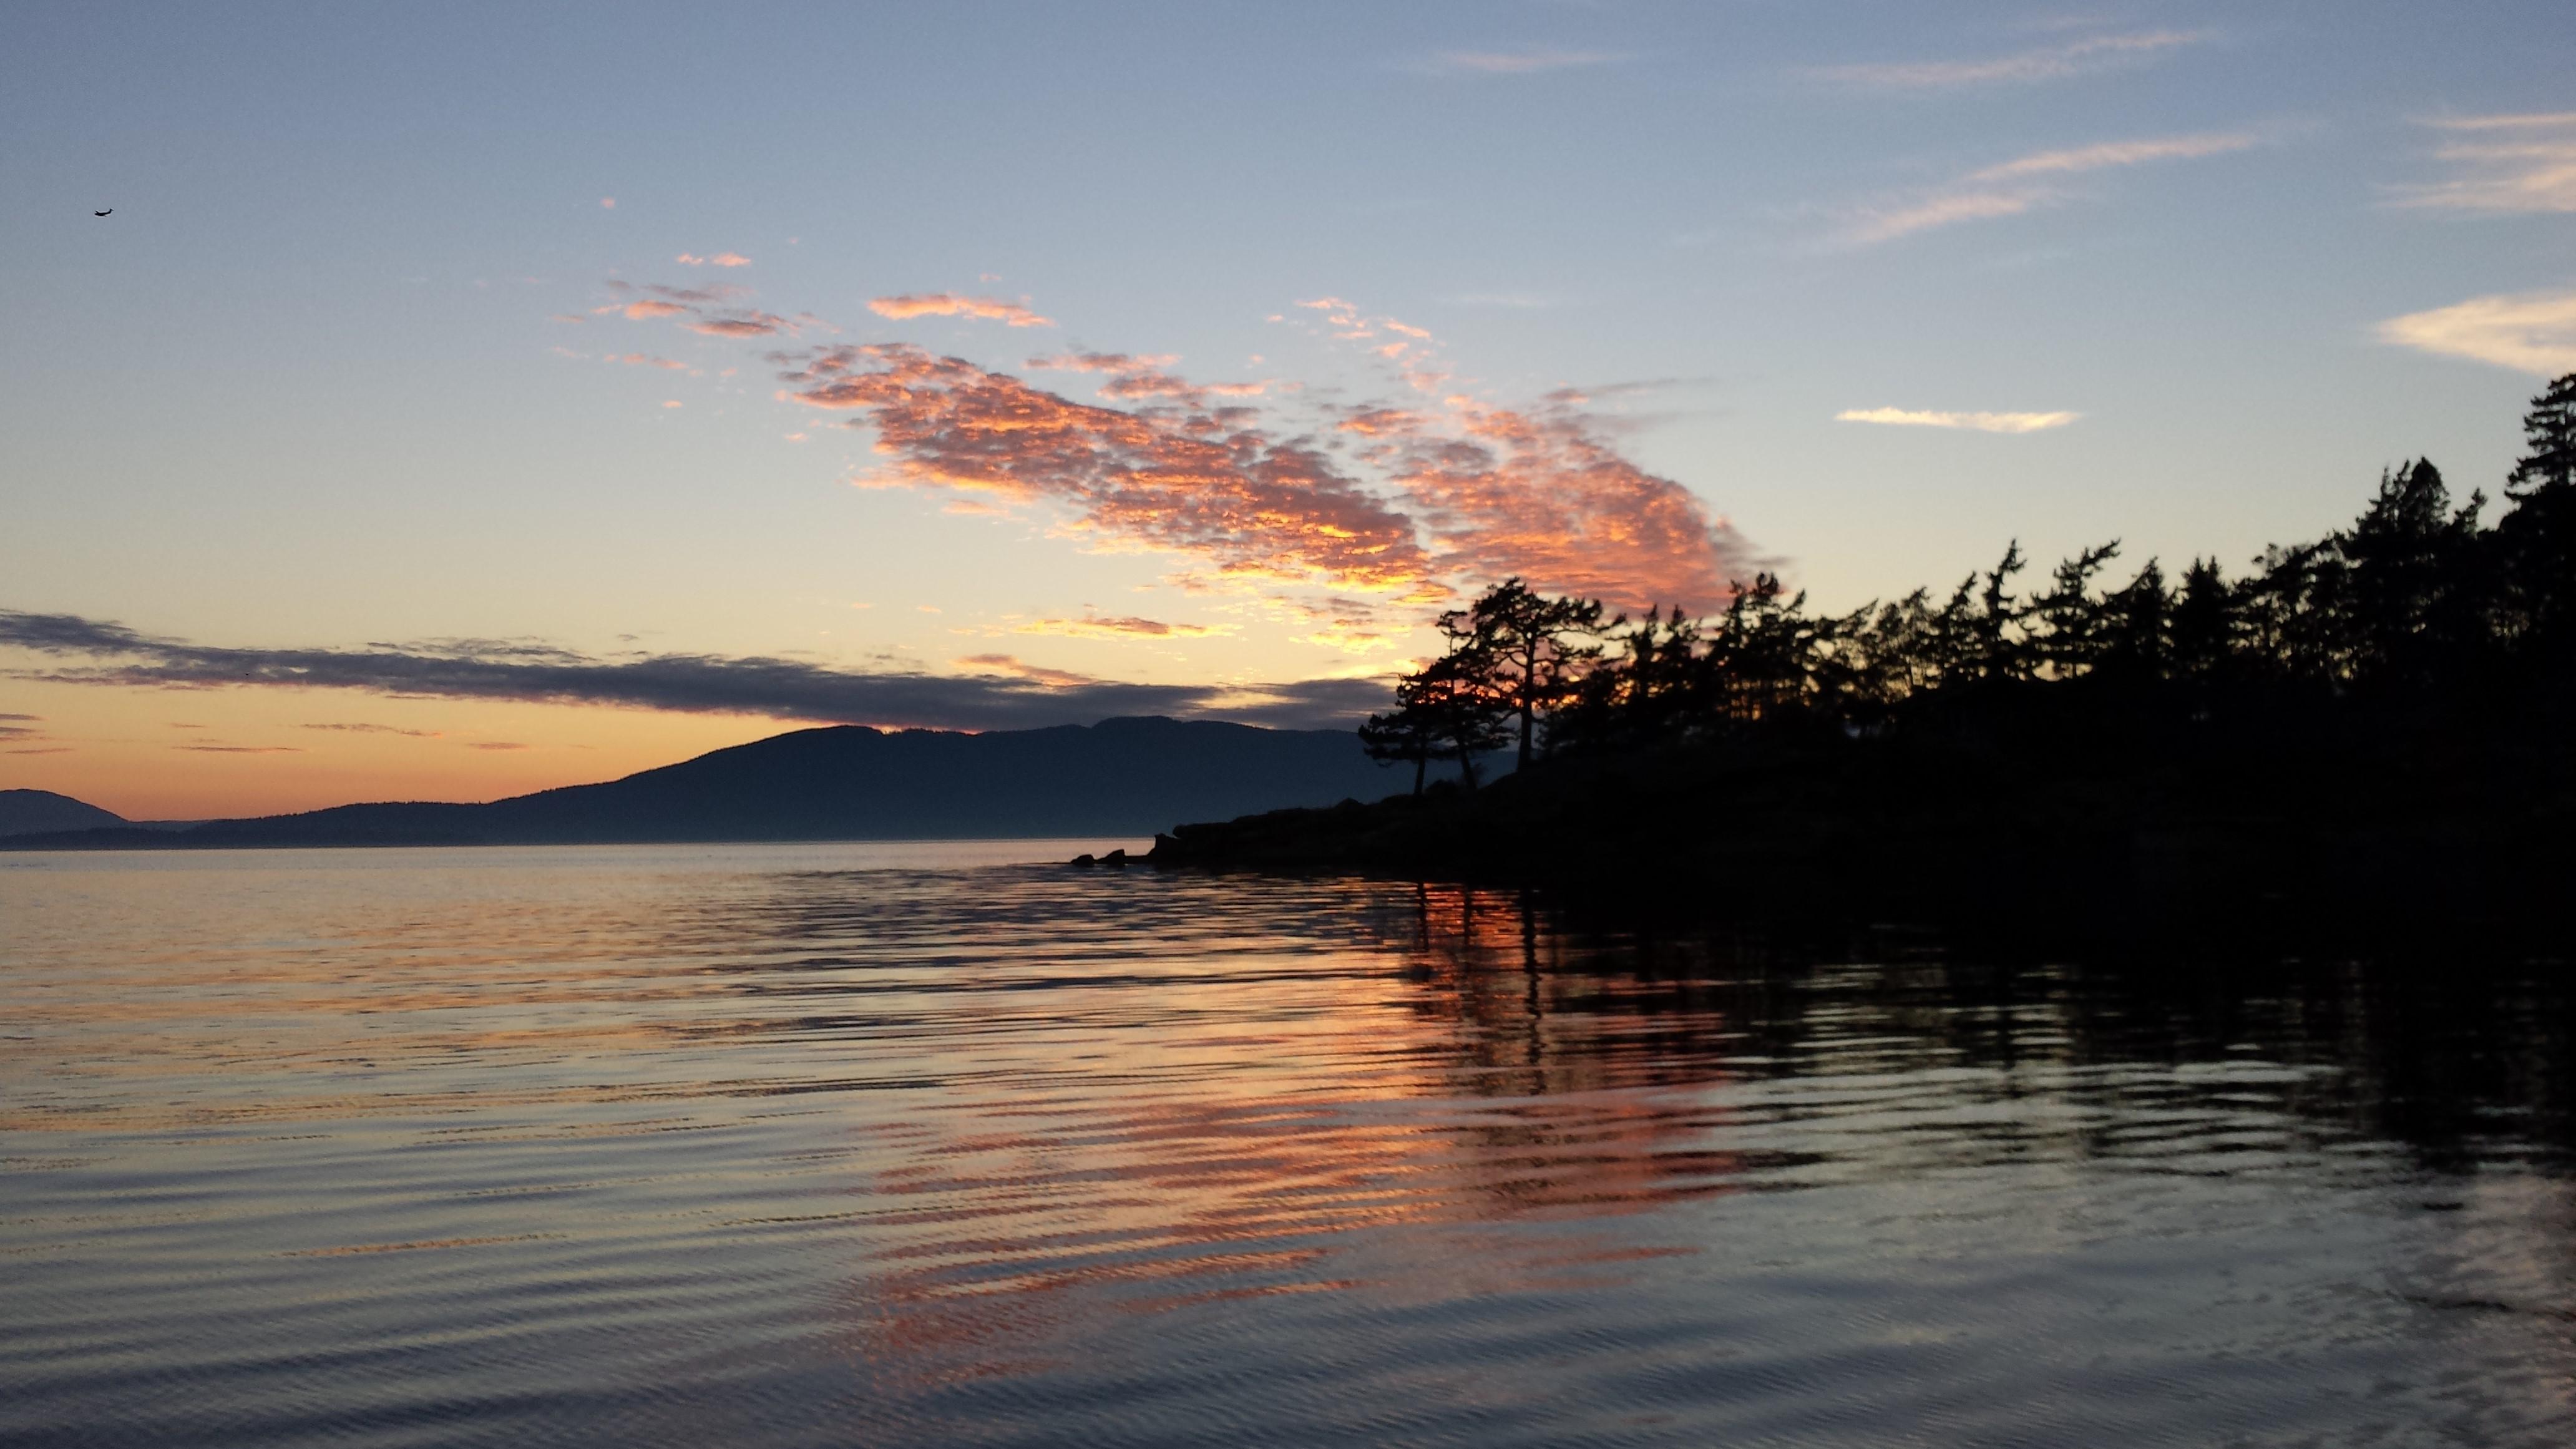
1535, 648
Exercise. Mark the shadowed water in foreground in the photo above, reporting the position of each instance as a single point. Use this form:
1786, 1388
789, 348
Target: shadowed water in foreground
909, 1144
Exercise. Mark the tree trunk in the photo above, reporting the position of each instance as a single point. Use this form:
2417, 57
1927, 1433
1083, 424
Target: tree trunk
1421, 763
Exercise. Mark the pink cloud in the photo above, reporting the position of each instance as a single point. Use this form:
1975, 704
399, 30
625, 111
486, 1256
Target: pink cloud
1428, 498
1541, 495
1193, 483
949, 304
650, 308
1143, 377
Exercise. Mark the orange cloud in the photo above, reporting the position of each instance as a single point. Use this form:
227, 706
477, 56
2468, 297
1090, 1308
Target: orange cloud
949, 304
1424, 500
639, 359
1376, 422
1012, 666
1144, 377
649, 308
1195, 482
720, 259
1095, 627
1538, 494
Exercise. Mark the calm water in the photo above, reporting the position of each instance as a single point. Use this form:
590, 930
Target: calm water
915, 1145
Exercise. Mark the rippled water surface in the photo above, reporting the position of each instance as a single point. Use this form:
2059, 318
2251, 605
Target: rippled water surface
918, 1145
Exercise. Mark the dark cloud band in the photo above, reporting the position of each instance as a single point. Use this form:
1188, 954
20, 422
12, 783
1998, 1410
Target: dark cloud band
112, 654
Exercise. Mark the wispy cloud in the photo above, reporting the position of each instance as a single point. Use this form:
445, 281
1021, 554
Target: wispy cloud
1515, 301
2063, 61
1976, 422
1133, 378
85, 651
1873, 224
1462, 492
1011, 666
743, 324
949, 304
1529, 60
720, 259
2531, 332
2503, 164
1092, 626
2010, 188
373, 729
1258, 487
2116, 153
241, 749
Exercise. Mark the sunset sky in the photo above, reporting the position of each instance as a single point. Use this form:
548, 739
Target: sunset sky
461, 401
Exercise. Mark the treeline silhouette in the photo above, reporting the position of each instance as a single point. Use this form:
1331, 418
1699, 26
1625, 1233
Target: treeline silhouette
2420, 605
2386, 707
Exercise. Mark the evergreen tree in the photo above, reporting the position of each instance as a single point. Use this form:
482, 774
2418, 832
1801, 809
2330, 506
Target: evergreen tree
1410, 733
1534, 648
2537, 536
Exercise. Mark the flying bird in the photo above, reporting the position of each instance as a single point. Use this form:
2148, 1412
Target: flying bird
102, 213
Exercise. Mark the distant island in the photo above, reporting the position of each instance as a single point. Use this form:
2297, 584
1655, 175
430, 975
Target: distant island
1119, 778
2378, 726
32, 812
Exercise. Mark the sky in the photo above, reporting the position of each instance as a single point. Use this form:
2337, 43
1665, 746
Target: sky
459, 401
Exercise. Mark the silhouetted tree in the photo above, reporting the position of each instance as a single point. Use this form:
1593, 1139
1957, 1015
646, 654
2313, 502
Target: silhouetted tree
2417, 606
2205, 627
2069, 628
2549, 436
2537, 536
1407, 733
1535, 648
1456, 701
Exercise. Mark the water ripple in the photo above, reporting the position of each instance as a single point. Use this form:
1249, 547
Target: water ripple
935, 1145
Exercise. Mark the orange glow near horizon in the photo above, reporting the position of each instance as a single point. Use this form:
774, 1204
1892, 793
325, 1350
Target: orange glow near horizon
201, 754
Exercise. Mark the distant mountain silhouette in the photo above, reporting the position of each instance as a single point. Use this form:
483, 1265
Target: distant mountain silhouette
1129, 777
27, 812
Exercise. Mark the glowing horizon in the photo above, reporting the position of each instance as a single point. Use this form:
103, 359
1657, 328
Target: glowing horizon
1113, 367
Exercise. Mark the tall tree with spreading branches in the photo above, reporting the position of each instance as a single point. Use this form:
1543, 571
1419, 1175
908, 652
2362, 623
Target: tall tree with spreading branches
1533, 648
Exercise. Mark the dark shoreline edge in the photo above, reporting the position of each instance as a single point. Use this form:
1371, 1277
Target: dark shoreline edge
2231, 847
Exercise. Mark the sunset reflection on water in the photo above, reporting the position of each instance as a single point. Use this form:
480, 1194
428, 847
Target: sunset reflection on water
828, 1144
